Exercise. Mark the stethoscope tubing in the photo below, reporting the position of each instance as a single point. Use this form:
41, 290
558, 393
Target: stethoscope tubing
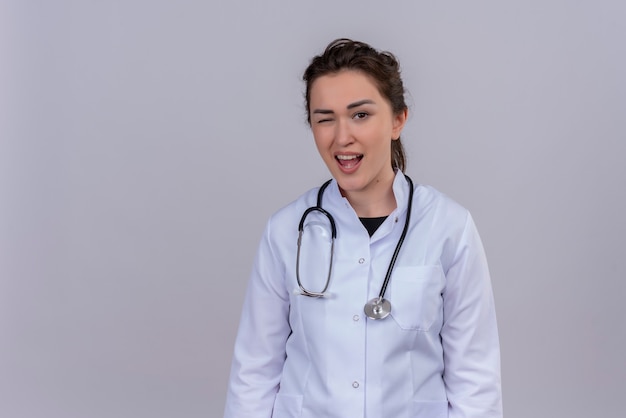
394, 257
333, 227
379, 306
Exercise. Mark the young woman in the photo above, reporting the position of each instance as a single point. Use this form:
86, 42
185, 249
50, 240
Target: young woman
394, 317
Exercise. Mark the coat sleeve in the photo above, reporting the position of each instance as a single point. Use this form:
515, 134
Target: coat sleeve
259, 352
469, 334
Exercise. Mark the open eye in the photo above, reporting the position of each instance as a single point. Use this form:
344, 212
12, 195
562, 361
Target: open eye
360, 115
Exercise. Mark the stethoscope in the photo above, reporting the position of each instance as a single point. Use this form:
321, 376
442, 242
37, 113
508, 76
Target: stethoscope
379, 307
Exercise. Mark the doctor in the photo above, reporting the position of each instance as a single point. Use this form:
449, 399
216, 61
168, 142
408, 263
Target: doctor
406, 326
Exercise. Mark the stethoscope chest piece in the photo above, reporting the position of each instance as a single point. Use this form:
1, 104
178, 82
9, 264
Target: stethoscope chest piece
377, 308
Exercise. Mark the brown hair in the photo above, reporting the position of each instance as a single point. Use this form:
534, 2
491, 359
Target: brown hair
382, 67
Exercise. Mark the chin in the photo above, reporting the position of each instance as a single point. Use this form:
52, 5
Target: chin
349, 185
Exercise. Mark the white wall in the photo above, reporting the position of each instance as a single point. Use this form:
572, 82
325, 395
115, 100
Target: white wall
143, 144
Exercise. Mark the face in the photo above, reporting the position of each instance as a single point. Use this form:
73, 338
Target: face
353, 126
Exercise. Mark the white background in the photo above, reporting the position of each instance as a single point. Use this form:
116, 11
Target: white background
143, 144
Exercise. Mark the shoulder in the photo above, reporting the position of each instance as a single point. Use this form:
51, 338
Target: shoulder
305, 200
430, 202
288, 217
442, 219
448, 226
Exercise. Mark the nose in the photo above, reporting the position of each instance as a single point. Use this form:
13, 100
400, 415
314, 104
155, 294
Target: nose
343, 133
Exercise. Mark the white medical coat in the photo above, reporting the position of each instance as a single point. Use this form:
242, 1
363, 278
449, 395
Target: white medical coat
435, 356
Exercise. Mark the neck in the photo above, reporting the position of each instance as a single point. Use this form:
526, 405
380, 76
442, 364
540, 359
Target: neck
376, 201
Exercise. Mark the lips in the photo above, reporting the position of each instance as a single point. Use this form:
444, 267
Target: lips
348, 162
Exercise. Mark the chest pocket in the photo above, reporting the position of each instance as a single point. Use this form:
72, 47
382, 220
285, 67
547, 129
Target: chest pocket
416, 301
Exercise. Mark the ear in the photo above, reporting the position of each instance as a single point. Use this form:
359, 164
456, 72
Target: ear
399, 120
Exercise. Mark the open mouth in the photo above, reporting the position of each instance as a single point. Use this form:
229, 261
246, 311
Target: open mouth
348, 161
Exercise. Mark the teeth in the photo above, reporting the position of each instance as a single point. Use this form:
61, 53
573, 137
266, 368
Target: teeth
347, 157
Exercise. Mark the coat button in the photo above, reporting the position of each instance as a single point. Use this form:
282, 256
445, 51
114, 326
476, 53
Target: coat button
361, 260
356, 318
355, 384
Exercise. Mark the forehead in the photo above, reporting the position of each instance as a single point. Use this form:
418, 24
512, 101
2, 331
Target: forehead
343, 88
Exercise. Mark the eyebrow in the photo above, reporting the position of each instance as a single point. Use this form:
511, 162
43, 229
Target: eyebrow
360, 103
350, 106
